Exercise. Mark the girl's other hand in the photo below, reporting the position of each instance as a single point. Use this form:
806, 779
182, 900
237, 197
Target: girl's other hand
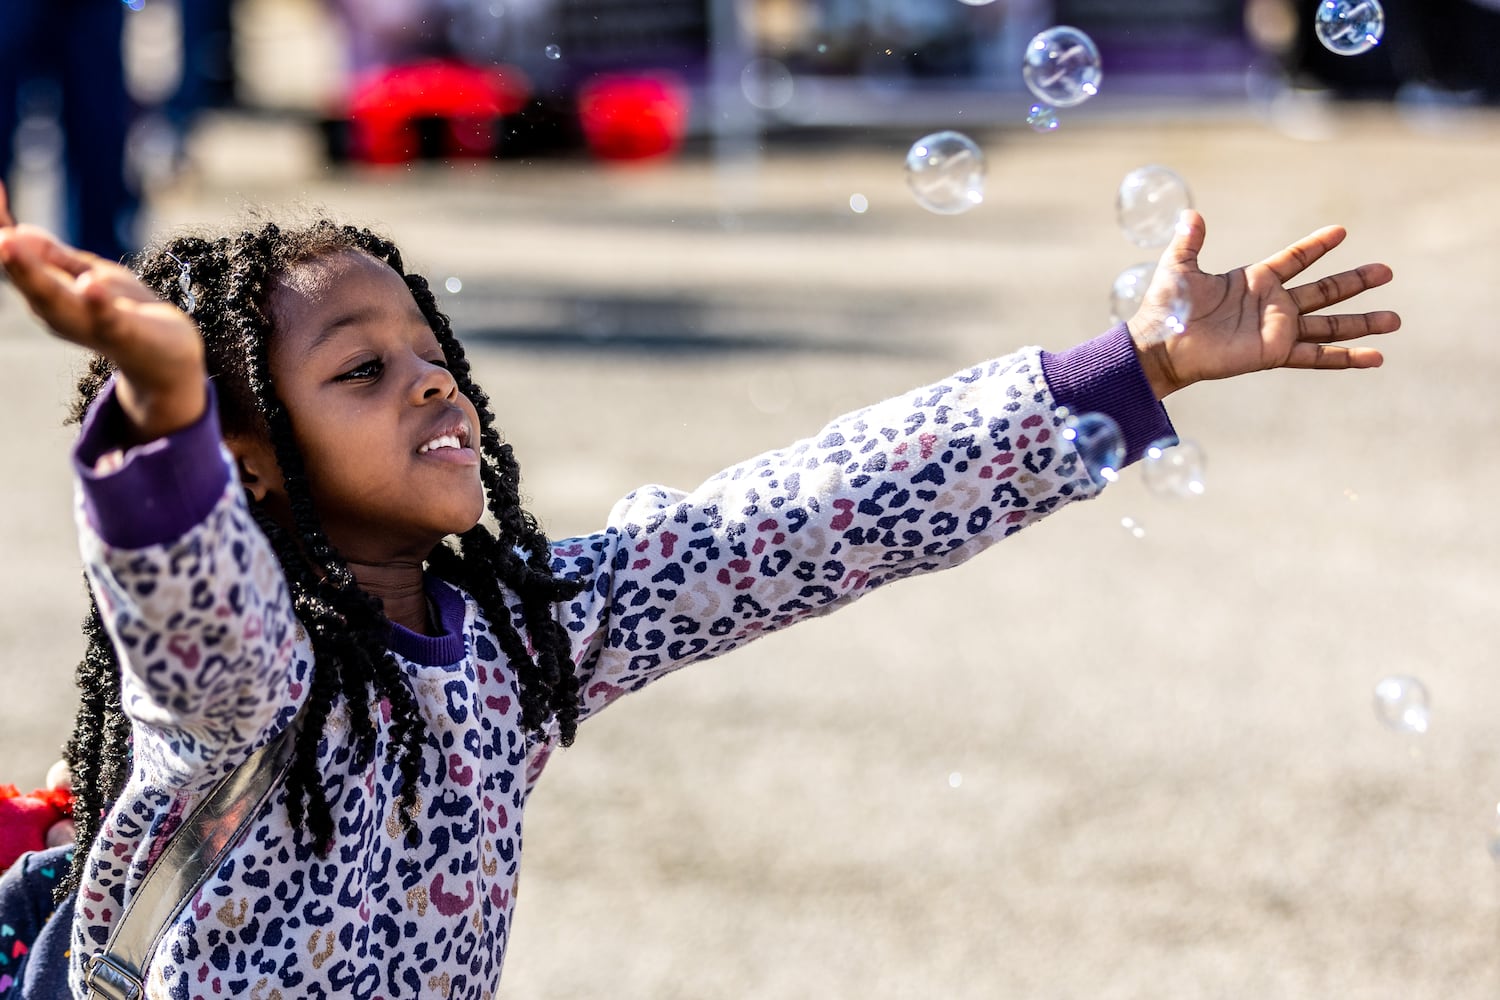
1249, 319
103, 307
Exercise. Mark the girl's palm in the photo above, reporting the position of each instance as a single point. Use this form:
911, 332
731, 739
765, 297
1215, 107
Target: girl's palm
1249, 319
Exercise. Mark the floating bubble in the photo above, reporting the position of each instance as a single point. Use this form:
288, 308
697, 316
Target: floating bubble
552, 52
1173, 470
135, 4
767, 84
859, 204
1495, 835
1062, 67
955, 779
1099, 442
1401, 703
1179, 305
1148, 204
1131, 525
1042, 118
1129, 291
454, 285
1349, 27
945, 171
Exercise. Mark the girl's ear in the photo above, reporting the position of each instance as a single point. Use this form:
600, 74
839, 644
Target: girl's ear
256, 461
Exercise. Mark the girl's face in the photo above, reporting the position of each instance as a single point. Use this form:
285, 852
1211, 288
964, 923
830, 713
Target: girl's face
391, 447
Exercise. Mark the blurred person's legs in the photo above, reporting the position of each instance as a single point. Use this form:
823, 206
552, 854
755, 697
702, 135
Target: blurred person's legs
96, 110
208, 71
75, 45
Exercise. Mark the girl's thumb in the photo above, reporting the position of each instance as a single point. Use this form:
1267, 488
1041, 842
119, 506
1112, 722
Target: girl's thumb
1182, 253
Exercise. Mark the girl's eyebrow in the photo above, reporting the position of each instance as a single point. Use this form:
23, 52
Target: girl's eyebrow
358, 316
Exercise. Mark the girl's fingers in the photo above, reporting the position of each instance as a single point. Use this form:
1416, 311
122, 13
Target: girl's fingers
1327, 356
67, 288
1338, 287
1331, 329
1301, 255
6, 219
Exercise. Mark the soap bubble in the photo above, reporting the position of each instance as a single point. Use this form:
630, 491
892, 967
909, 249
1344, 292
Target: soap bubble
552, 52
946, 172
1129, 291
859, 204
1173, 470
1099, 442
767, 84
1349, 27
1495, 835
1042, 118
1131, 525
135, 4
454, 285
1401, 703
1148, 204
955, 779
1179, 305
1062, 67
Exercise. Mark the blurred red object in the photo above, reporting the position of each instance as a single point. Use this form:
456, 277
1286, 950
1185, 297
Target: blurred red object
25, 819
633, 117
389, 108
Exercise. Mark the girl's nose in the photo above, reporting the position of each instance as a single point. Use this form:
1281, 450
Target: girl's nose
434, 382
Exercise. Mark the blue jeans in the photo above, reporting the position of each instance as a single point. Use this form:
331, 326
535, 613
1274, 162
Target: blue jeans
75, 46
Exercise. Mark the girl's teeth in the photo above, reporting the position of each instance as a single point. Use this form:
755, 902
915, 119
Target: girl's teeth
448, 441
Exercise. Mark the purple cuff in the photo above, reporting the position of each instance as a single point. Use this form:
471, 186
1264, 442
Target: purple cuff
1104, 375
162, 489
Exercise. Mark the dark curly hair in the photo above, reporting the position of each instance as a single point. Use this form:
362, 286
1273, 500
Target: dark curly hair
232, 280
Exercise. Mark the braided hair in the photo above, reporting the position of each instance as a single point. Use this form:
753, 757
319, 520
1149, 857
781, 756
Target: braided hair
232, 281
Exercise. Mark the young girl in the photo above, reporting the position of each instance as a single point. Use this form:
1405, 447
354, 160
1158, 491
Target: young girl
282, 472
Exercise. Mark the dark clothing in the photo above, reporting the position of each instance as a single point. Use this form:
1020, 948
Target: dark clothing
72, 49
35, 933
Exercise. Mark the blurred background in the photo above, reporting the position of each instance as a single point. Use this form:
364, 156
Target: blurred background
1131, 753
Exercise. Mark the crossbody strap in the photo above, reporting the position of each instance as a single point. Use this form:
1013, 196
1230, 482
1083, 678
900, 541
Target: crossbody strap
195, 851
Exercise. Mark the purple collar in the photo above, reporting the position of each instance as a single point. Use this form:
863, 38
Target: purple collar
434, 650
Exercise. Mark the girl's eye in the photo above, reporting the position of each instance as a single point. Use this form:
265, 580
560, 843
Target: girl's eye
365, 370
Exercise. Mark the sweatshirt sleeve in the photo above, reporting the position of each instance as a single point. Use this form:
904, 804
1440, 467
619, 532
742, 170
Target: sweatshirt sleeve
917, 483
189, 590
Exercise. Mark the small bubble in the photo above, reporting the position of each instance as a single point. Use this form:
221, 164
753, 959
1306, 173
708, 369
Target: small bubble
1099, 442
945, 172
1351, 496
496, 10
767, 84
1495, 835
1129, 291
1148, 204
552, 52
1174, 470
1062, 67
1401, 703
859, 204
1042, 118
135, 4
1349, 27
955, 779
454, 285
822, 48
1130, 525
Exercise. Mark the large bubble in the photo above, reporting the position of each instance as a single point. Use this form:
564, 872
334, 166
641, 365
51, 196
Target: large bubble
1062, 67
945, 171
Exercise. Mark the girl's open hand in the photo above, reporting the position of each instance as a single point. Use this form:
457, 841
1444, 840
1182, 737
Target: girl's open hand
1249, 319
100, 305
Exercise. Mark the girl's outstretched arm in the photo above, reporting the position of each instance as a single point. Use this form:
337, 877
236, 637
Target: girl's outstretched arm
1251, 318
100, 305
